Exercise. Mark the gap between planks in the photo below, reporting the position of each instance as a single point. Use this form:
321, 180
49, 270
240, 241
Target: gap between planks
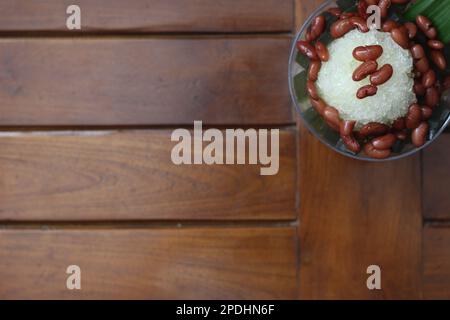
436, 223
157, 35
12, 131
219, 224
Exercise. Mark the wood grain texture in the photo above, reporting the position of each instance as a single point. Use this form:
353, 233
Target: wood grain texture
150, 15
303, 8
129, 175
436, 174
144, 81
355, 214
436, 260
200, 263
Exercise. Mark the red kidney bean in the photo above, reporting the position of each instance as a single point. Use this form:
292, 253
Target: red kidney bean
364, 70
384, 142
404, 29
373, 129
435, 44
351, 143
372, 2
414, 116
366, 91
372, 152
360, 23
432, 97
308, 36
419, 135
307, 49
411, 29
417, 51
362, 9
346, 127
382, 76
399, 124
426, 26
346, 15
389, 25
400, 37
341, 27
423, 23
322, 51
312, 91
429, 79
332, 125
313, 70
384, 7
401, 135
317, 27
358, 136
335, 12
422, 65
427, 112
419, 89
319, 105
331, 116
367, 53
439, 59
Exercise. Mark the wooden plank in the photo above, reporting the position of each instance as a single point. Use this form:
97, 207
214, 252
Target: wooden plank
355, 214
150, 15
199, 263
436, 174
68, 176
436, 262
303, 9
144, 81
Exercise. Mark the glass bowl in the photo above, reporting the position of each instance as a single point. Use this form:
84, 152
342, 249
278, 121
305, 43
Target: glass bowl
298, 67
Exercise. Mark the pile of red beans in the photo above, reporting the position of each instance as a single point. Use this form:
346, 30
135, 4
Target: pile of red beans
377, 139
369, 55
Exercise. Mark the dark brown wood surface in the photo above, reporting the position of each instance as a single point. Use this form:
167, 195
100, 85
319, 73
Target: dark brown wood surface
206, 263
134, 16
133, 88
107, 197
436, 257
436, 177
354, 214
129, 175
144, 81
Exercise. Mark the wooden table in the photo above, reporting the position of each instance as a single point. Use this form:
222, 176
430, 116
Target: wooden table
86, 176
